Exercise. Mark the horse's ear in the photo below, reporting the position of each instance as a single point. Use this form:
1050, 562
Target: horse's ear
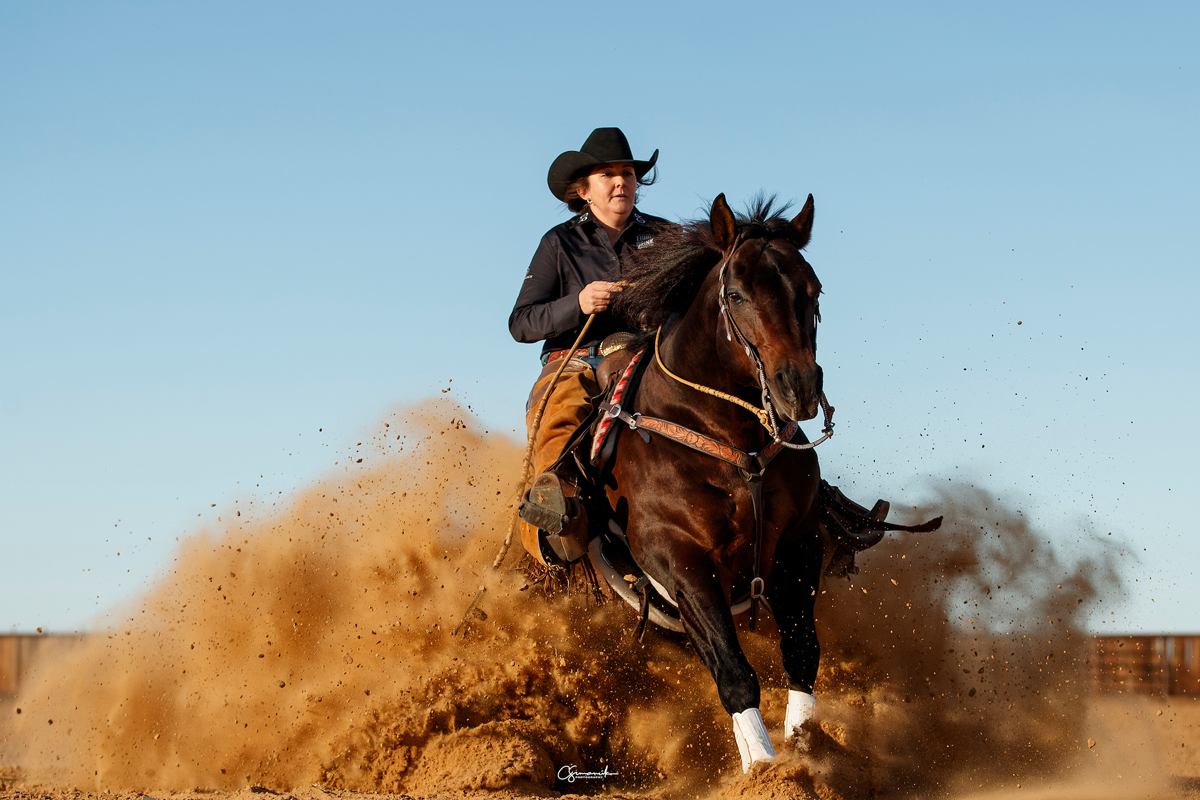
720, 216
803, 222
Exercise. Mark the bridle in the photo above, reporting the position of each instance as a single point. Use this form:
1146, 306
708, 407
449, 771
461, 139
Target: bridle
766, 415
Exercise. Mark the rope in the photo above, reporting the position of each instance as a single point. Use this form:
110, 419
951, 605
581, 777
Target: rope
765, 415
758, 412
526, 468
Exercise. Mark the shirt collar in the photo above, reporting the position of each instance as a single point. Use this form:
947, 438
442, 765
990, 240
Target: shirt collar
635, 218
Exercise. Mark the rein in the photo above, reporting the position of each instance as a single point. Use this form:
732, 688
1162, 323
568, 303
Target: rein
758, 412
766, 415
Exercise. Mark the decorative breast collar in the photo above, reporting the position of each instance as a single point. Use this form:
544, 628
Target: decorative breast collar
750, 463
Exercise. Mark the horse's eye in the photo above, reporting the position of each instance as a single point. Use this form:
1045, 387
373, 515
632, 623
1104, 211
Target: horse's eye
734, 297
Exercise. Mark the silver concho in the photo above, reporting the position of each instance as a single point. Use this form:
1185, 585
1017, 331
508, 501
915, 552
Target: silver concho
616, 341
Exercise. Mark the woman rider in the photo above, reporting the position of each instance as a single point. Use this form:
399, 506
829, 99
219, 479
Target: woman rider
572, 275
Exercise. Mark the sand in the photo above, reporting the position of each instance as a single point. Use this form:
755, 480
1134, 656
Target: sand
306, 650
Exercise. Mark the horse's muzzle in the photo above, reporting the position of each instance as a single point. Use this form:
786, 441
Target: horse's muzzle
796, 392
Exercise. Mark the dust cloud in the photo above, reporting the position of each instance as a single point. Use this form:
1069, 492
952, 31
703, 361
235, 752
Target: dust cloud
956, 660
314, 644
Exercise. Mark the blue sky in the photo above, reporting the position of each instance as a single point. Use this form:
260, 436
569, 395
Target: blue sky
225, 226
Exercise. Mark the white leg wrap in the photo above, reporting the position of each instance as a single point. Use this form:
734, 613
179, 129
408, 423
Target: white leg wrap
752, 740
801, 707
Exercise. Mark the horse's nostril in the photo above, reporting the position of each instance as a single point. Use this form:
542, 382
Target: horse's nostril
789, 383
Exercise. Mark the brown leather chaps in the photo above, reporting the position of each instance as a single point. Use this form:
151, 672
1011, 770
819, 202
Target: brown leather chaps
567, 407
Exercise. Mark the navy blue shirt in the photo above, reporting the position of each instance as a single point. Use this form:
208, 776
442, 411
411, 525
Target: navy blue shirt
569, 257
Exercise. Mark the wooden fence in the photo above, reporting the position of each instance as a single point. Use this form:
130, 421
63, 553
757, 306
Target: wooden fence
1160, 665
18, 652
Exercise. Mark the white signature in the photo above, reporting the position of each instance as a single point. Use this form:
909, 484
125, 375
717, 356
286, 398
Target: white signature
571, 773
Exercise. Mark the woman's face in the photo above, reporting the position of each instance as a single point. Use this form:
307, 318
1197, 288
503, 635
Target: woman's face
610, 191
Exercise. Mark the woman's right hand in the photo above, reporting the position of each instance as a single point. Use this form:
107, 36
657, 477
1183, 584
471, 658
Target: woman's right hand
597, 296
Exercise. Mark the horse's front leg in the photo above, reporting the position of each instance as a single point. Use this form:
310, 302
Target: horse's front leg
709, 625
793, 596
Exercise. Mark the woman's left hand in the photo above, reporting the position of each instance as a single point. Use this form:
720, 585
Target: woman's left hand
597, 296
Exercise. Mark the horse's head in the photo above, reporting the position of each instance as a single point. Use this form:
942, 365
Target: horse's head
770, 293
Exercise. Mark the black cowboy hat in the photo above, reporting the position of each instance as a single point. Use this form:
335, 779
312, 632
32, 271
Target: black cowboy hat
604, 146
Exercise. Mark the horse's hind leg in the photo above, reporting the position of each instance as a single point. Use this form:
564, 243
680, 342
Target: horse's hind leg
709, 626
793, 595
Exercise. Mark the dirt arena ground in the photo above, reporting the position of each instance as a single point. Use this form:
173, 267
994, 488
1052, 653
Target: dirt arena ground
1144, 748
306, 650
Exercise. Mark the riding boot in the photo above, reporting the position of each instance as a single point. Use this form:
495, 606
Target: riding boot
849, 527
877, 513
552, 505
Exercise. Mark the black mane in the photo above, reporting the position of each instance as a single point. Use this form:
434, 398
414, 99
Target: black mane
664, 279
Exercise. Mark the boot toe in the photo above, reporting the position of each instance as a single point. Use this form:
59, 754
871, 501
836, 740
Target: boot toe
547, 492
545, 506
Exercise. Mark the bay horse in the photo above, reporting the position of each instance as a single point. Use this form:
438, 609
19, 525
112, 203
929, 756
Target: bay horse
734, 307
